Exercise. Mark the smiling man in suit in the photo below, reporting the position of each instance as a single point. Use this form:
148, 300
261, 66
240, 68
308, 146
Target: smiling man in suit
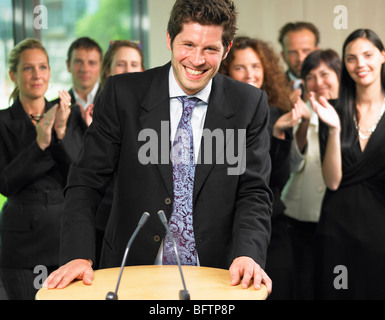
218, 219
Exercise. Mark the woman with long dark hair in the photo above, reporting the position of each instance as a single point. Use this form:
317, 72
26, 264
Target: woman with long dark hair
350, 235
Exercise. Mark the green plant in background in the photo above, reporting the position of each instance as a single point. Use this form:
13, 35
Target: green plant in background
2, 200
102, 28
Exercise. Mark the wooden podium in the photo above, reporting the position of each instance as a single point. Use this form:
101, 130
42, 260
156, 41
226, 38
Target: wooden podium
156, 283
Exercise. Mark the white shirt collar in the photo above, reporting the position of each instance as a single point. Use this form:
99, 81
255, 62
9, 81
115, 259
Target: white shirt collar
90, 96
176, 91
292, 76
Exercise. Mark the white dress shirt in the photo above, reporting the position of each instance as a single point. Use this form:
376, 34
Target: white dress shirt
198, 118
90, 97
297, 82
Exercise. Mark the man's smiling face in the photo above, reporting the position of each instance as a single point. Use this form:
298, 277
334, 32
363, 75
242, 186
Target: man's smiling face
197, 53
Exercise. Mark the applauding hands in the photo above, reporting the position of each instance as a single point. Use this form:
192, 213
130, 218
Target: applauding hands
56, 118
291, 119
326, 112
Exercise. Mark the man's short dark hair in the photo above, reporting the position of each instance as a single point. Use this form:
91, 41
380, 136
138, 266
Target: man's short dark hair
84, 43
204, 12
299, 26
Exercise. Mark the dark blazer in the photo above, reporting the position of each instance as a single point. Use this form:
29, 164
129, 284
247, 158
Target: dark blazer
104, 207
231, 212
33, 181
280, 162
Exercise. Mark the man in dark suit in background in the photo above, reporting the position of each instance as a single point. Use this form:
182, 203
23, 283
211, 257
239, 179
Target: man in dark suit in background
84, 59
230, 210
297, 40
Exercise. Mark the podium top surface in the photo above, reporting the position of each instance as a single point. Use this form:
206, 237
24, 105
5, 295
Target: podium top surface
156, 283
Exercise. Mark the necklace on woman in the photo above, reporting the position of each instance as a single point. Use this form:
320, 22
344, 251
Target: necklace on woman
36, 116
365, 134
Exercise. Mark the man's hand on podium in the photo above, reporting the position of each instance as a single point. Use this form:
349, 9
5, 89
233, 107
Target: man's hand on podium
245, 269
79, 269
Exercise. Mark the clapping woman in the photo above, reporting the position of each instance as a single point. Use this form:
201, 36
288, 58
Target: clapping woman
304, 192
350, 236
38, 142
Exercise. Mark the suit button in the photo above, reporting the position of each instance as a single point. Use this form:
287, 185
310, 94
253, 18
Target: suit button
167, 201
157, 238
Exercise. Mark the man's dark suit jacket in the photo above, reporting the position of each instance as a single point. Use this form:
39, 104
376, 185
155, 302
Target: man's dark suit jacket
104, 207
231, 212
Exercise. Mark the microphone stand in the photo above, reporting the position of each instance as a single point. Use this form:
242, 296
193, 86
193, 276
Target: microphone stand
183, 294
114, 295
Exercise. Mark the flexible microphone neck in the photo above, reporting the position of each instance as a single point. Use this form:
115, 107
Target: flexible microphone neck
114, 295
183, 294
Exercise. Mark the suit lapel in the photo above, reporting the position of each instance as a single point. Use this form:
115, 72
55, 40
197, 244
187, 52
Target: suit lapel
20, 125
220, 115
156, 116
73, 99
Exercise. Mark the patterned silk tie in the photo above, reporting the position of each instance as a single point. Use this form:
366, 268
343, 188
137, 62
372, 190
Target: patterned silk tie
181, 221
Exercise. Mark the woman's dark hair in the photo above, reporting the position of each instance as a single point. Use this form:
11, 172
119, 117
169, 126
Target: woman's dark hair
346, 104
314, 59
205, 12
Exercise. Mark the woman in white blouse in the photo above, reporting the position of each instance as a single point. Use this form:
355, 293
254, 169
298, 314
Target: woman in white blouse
305, 189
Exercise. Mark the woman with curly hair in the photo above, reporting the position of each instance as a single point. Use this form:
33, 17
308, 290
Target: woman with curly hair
268, 73
253, 61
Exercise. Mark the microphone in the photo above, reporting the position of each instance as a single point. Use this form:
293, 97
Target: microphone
114, 295
183, 294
